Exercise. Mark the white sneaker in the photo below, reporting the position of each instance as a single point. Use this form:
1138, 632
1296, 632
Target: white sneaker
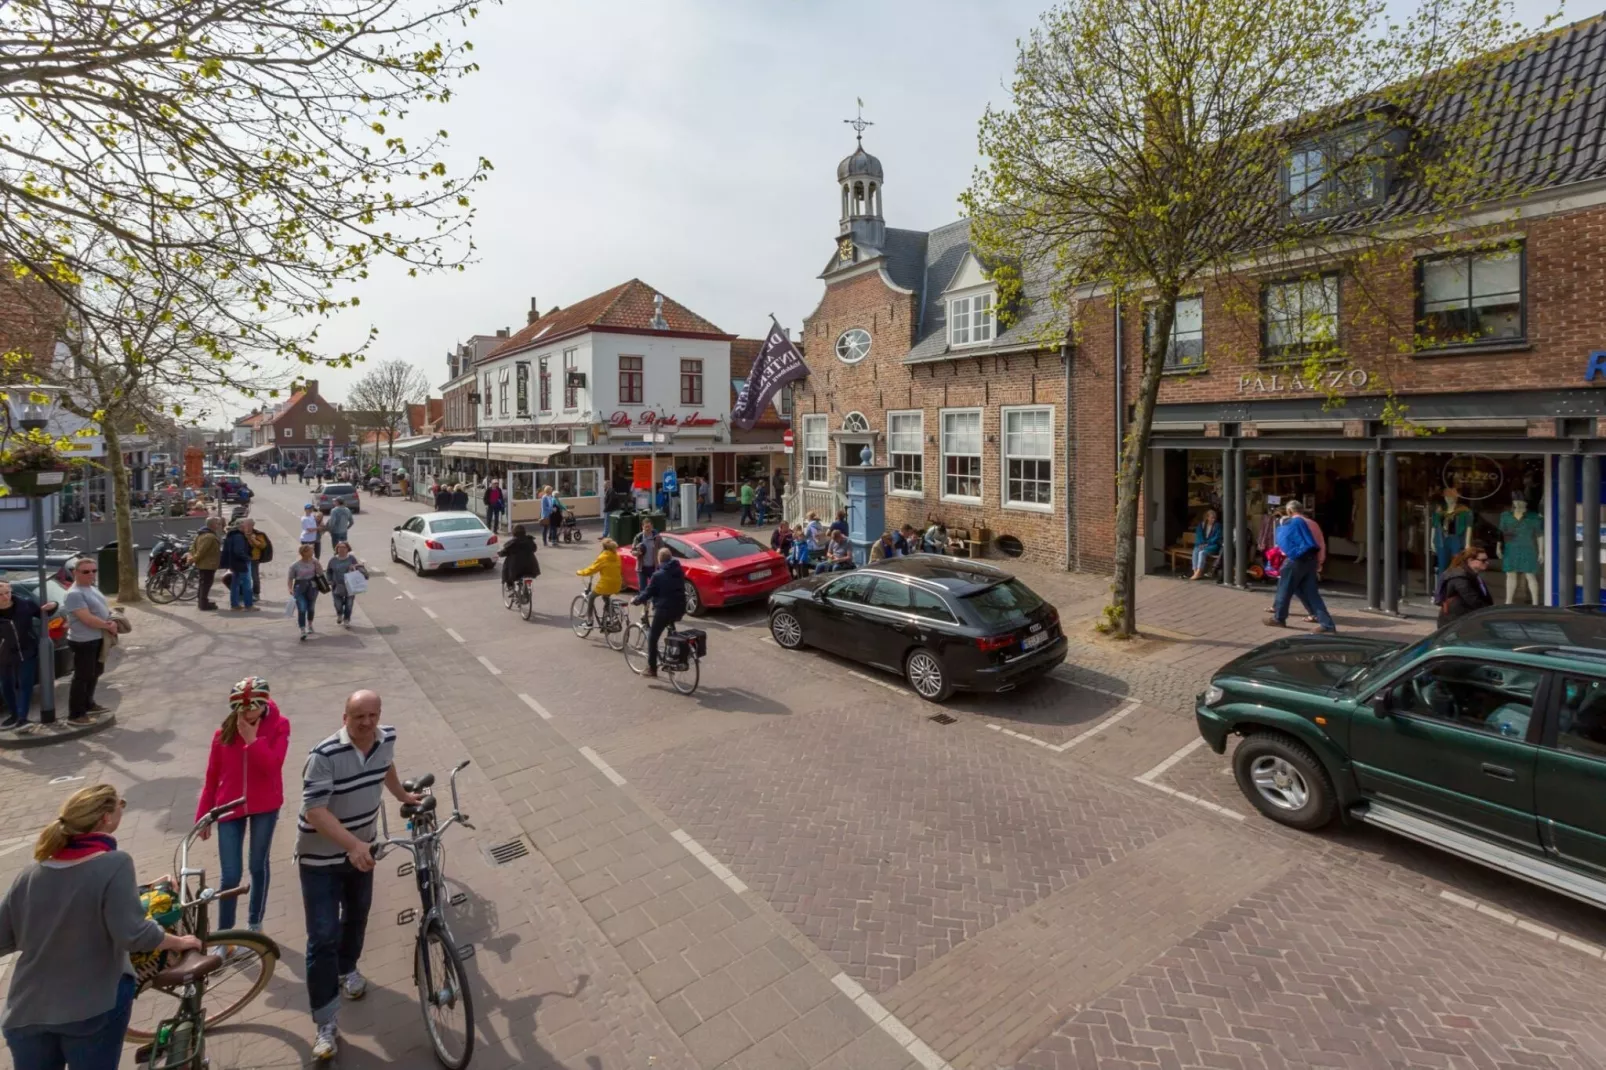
323, 1045
354, 985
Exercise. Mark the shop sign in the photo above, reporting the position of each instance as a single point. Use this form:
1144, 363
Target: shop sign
652, 419
1596, 365
1294, 383
1475, 476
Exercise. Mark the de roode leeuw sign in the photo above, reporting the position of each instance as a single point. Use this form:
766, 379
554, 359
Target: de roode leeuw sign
652, 419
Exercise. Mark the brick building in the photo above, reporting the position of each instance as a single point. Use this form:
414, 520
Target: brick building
305, 428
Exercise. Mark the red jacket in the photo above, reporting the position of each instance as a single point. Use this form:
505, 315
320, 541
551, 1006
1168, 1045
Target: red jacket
256, 772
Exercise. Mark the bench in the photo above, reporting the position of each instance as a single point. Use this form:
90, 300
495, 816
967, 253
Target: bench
1183, 553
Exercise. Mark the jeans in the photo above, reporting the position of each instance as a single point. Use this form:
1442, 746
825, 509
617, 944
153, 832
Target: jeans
240, 591
344, 600
204, 597
18, 681
644, 573
660, 624
85, 675
1298, 580
306, 604
1201, 557
547, 532
256, 580
493, 516
834, 566
336, 900
747, 513
230, 851
88, 1044
598, 614
1449, 546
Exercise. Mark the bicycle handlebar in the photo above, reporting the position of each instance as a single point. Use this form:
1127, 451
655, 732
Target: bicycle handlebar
411, 842
182, 857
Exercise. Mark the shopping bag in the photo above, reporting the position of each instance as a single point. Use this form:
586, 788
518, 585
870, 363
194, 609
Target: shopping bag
356, 582
290, 609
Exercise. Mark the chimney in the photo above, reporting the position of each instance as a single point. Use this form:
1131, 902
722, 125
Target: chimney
658, 321
501, 332
534, 313
310, 387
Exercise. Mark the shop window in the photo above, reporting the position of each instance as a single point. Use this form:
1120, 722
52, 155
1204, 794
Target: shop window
1029, 457
1471, 299
571, 389
1185, 348
546, 386
816, 438
906, 452
630, 385
691, 382
961, 454
1299, 317
522, 387
970, 320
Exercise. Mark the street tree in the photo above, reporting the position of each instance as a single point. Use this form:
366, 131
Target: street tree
382, 395
1154, 146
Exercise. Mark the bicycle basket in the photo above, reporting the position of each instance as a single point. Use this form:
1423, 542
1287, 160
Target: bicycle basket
677, 651
159, 902
697, 639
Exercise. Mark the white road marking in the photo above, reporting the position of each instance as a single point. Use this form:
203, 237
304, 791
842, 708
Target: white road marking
607, 770
485, 661
715, 866
1180, 753
453, 633
1077, 740
536, 706
1541, 931
722, 624
411, 595
1149, 779
918, 1049
392, 580
1060, 675
880, 683
430, 613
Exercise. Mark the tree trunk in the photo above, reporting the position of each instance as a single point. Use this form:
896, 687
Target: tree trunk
128, 588
1120, 616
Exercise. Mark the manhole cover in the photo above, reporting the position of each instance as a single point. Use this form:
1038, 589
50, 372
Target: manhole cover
511, 851
942, 718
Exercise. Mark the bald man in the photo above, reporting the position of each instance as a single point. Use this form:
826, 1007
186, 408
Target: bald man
340, 800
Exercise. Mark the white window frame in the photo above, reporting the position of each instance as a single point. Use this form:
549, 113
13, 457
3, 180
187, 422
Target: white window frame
822, 422
919, 452
490, 397
975, 330
571, 394
980, 455
502, 378
1004, 457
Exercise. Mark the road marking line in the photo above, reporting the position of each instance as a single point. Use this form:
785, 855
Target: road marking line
1067, 678
1077, 740
722, 624
1181, 753
536, 706
881, 683
607, 770
392, 580
485, 661
715, 866
453, 633
1541, 931
430, 613
918, 1049
1149, 780
411, 595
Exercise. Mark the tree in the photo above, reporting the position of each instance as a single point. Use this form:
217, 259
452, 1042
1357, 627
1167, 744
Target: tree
1150, 146
382, 396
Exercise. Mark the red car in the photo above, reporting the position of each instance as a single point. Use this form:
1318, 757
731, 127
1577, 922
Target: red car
725, 567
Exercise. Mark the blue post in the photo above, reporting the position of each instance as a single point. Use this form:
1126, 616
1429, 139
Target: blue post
867, 509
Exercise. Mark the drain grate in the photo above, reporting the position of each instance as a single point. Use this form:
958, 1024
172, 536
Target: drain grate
511, 851
943, 718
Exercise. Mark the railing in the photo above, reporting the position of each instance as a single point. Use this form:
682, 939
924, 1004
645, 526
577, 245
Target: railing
822, 500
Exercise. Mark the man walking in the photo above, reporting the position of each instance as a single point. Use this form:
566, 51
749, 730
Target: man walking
89, 618
495, 504
1297, 538
206, 555
340, 800
646, 547
338, 523
746, 496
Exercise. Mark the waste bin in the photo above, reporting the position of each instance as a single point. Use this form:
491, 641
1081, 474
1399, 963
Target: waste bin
623, 527
106, 560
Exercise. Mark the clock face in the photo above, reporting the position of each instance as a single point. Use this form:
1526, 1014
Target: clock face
853, 345
844, 249
312, 407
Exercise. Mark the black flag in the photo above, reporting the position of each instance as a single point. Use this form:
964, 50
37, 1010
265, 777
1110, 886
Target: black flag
778, 363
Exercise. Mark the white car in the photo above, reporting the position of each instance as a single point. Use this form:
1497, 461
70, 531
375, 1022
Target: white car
432, 541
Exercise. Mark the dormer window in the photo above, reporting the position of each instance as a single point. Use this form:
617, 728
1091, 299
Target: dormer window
970, 319
1340, 171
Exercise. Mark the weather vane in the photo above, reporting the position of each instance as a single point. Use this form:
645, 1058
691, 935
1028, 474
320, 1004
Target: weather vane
859, 122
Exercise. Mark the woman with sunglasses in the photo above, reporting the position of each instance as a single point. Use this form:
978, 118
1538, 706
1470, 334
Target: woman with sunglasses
1461, 589
73, 917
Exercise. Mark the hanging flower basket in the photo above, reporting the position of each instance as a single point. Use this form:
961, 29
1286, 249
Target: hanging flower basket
35, 482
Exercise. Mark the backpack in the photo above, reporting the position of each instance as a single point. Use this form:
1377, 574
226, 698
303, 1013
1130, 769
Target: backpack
1294, 538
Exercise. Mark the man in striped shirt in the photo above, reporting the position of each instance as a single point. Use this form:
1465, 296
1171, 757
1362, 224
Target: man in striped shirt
342, 789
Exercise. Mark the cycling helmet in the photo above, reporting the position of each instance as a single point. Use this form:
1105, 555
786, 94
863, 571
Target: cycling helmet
252, 691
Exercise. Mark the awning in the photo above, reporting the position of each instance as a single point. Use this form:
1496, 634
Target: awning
414, 443
511, 452
256, 451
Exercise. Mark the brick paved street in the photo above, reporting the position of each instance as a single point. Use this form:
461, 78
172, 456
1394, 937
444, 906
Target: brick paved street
796, 867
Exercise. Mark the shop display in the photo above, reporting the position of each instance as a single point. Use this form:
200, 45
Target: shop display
1451, 522
1520, 552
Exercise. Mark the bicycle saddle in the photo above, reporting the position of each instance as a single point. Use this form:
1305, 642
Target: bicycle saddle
426, 805
425, 781
193, 966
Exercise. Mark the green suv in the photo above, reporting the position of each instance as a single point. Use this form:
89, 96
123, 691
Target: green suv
1486, 739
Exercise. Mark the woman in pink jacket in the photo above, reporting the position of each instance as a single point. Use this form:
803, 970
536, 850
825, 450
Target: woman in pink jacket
247, 761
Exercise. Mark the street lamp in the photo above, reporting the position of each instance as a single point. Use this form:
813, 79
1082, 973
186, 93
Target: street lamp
29, 407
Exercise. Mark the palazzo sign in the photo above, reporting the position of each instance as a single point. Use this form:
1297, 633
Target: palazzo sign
652, 419
1294, 383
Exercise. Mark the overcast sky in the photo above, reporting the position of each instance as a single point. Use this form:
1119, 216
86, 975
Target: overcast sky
692, 144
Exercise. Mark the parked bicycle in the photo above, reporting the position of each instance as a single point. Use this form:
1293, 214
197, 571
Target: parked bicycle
166, 577
444, 998
583, 617
520, 595
210, 986
679, 652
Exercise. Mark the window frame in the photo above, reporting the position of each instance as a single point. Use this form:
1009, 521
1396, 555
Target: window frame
632, 381
869, 342
1521, 252
691, 381
1551, 737
970, 313
919, 454
503, 378
571, 394
1541, 709
1005, 501
1293, 356
980, 455
1172, 362
1330, 194
489, 398
823, 421
544, 385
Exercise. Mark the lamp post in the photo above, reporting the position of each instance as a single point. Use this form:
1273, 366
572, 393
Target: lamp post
29, 407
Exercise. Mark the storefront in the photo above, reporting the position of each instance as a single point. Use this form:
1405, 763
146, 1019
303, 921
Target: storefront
579, 488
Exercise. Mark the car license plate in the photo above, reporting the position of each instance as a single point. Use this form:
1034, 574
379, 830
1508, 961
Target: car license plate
761, 574
1032, 642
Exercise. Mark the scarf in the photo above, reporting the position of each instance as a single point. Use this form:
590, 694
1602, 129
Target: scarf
81, 847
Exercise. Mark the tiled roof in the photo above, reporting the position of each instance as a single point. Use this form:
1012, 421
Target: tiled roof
945, 251
628, 306
289, 403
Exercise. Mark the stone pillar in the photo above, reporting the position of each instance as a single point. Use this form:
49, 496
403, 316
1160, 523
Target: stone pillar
1391, 533
1589, 506
867, 509
1566, 514
1370, 541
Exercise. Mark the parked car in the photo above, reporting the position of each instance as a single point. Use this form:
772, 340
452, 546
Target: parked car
230, 486
943, 623
330, 495
1486, 739
724, 567
27, 582
431, 541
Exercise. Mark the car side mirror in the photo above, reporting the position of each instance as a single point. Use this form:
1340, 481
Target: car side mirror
1380, 704
396, 528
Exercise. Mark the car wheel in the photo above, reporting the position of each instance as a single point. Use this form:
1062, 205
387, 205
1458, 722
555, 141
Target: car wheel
786, 630
925, 674
393, 555
694, 603
418, 563
1284, 781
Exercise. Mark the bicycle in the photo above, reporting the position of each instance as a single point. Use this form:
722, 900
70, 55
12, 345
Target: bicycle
684, 672
437, 960
520, 595
238, 962
582, 618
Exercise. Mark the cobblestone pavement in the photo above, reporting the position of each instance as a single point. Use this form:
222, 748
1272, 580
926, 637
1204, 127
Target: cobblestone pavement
797, 867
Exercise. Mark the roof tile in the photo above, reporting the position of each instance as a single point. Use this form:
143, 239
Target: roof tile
627, 306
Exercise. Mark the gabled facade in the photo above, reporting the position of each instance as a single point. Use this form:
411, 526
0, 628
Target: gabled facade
306, 426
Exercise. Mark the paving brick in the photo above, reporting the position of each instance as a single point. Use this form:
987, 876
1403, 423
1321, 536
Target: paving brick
717, 1040
661, 979
759, 969
827, 1028
712, 994
773, 1053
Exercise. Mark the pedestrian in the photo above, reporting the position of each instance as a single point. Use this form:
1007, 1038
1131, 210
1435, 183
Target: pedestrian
646, 546
841, 523
312, 529
443, 498
798, 559
778, 481
609, 578
1206, 543
304, 574
547, 533
495, 504
459, 499
21, 623
338, 523
206, 555
745, 496
341, 566
907, 540
884, 548
246, 762
235, 556
342, 789
1297, 578
89, 619
72, 918
935, 540
703, 501
838, 556
1461, 588
666, 590
781, 539
761, 503
261, 554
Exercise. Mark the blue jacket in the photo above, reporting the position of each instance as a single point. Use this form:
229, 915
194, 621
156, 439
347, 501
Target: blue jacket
1210, 542
236, 553
19, 636
666, 591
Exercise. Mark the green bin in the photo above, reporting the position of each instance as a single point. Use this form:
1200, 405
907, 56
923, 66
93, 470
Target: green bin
106, 559
623, 527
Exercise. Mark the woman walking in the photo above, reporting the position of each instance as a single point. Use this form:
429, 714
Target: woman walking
247, 762
74, 916
1462, 589
342, 564
303, 579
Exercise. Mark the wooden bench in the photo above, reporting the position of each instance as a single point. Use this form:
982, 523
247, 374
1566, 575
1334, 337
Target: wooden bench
1183, 552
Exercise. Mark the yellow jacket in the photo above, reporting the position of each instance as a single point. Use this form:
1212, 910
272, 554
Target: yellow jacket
606, 569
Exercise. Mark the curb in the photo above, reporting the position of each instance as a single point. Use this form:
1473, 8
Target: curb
14, 740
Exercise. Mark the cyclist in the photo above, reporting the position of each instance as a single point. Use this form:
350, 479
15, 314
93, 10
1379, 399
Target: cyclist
518, 557
608, 581
666, 590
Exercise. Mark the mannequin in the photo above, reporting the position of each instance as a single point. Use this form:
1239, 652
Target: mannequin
1520, 549
1451, 522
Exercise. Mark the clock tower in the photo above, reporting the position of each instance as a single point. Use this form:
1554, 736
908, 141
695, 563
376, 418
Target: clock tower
862, 231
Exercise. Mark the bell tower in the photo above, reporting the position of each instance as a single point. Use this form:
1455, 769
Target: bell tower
859, 177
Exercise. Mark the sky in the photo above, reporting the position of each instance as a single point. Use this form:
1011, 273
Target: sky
692, 144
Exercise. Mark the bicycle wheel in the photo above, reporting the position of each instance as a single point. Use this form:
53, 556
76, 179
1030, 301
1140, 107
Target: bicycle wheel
510, 595
190, 585
614, 632
444, 998
580, 616
159, 588
635, 649
685, 680
228, 991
